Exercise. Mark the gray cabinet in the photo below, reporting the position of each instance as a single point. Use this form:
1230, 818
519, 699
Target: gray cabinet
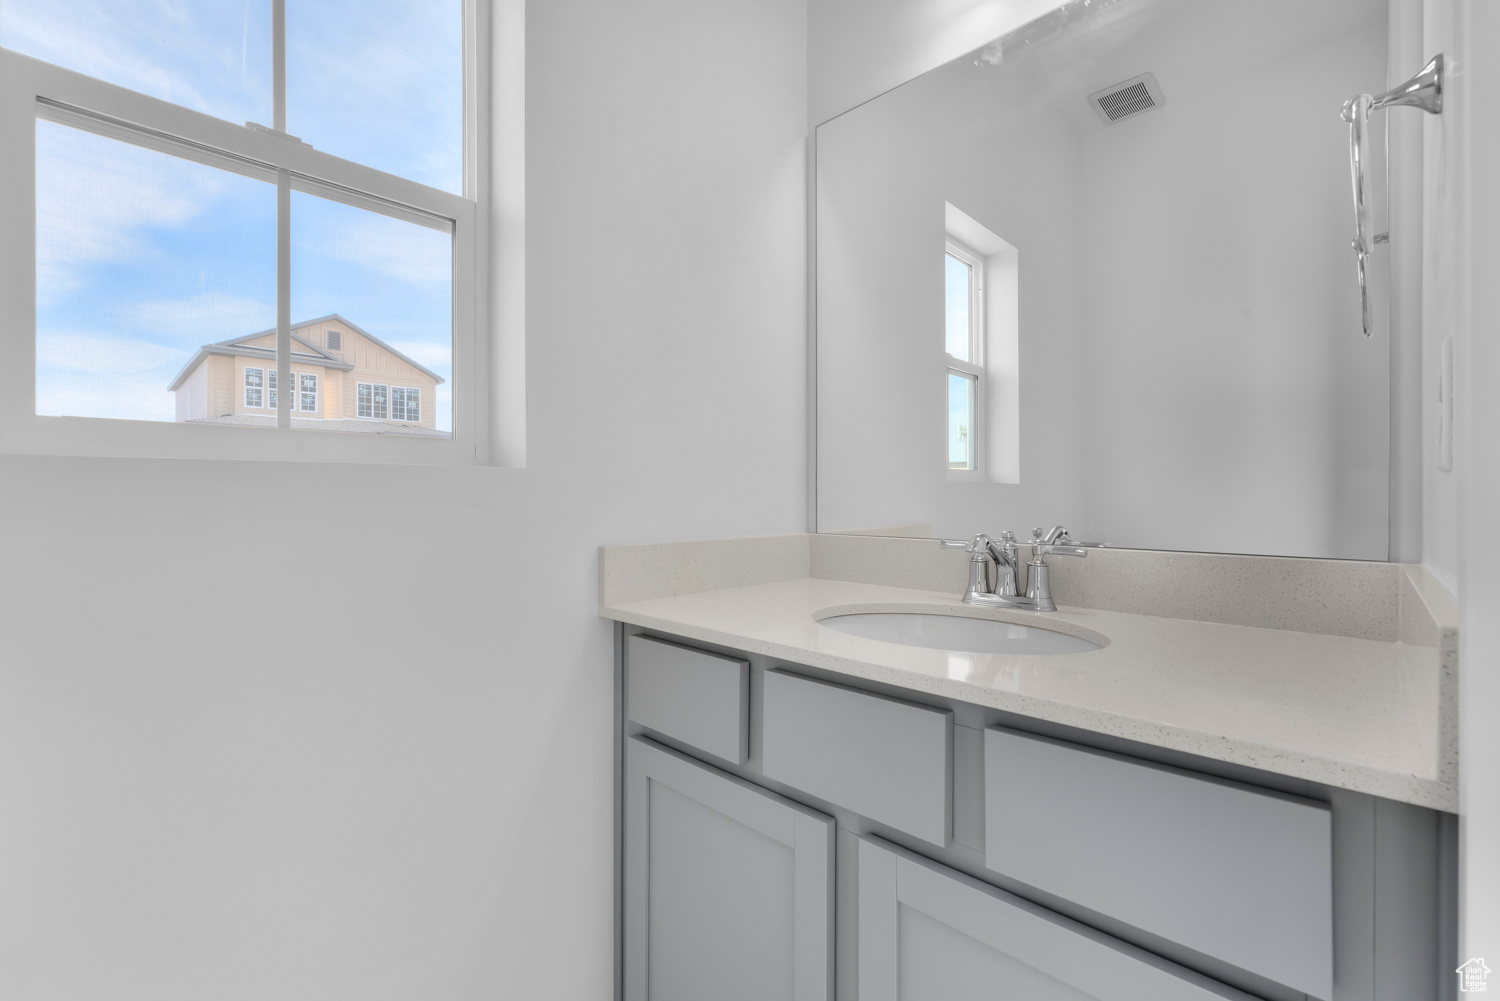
927, 933
1235, 872
699, 698
887, 759
979, 861
728, 888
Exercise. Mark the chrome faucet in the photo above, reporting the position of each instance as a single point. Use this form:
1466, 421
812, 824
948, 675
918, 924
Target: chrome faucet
984, 550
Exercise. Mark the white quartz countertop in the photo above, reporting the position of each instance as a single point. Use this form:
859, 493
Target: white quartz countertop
1357, 714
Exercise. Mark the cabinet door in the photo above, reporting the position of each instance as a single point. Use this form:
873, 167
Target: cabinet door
728, 888
927, 933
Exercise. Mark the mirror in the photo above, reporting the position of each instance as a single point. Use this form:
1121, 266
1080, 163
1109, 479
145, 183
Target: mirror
1098, 273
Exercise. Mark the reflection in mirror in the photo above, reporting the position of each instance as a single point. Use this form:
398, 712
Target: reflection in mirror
1098, 273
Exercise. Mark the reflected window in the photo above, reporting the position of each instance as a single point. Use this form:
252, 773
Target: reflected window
963, 336
961, 398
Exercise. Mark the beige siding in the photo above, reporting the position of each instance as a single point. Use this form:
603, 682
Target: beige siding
221, 376
374, 364
333, 395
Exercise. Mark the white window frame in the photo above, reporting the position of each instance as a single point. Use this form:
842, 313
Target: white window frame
973, 368
405, 389
31, 90
302, 407
373, 386
261, 389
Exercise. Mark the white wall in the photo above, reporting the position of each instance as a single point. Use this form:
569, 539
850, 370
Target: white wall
1192, 372
1469, 32
1232, 402
210, 790
860, 48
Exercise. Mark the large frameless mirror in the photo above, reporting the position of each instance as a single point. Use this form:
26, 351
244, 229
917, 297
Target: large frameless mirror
1098, 273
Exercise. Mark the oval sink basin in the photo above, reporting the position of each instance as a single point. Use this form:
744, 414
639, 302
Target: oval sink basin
957, 632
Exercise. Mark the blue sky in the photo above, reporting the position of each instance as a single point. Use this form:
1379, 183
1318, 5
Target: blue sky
956, 338
142, 257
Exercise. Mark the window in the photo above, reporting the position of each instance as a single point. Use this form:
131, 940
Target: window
254, 380
963, 334
174, 244
309, 394
406, 404
371, 401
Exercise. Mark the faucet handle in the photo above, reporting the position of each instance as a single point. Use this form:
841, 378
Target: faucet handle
1056, 542
978, 544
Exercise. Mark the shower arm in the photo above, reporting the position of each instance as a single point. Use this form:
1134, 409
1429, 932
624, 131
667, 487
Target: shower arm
1424, 91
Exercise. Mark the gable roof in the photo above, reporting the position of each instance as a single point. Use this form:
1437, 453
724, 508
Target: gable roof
314, 355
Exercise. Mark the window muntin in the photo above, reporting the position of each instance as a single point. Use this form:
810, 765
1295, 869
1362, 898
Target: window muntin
58, 95
962, 397
406, 404
308, 395
255, 379
271, 391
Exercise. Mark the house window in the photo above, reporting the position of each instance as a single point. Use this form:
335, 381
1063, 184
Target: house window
406, 404
963, 333
254, 384
309, 393
371, 401
187, 206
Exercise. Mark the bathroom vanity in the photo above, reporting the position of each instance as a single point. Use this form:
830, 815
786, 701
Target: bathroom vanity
1097, 271
1196, 808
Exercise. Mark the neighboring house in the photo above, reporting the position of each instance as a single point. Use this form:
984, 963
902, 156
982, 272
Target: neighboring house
344, 378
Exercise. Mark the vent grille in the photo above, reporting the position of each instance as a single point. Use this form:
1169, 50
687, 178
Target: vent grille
1119, 103
1131, 97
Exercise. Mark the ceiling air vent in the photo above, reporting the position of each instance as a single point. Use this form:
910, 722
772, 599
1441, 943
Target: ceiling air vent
1138, 94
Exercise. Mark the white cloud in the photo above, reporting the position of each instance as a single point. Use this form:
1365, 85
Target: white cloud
396, 249
87, 374
437, 356
190, 53
95, 195
211, 316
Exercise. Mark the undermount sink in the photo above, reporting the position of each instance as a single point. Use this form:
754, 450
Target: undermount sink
957, 632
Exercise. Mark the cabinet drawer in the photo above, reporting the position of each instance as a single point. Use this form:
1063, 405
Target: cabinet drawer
886, 759
701, 699
1238, 873
928, 932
